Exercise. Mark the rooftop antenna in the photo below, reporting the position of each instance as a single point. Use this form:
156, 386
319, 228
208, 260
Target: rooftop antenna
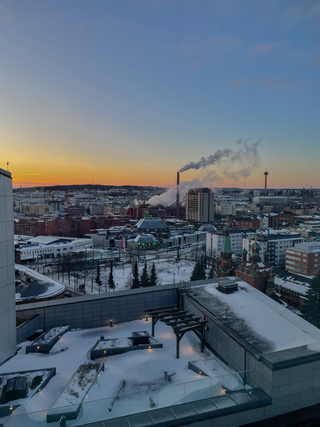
7, 165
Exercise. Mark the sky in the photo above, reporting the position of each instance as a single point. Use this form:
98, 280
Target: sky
132, 91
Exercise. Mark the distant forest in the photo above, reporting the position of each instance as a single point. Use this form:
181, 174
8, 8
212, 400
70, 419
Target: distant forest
92, 187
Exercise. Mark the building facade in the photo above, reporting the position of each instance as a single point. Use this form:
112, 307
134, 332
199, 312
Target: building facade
200, 205
214, 241
304, 258
277, 245
7, 281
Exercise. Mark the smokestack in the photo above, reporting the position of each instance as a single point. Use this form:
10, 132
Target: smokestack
303, 200
178, 198
265, 182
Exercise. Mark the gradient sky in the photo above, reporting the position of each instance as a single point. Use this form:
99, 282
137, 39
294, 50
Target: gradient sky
129, 91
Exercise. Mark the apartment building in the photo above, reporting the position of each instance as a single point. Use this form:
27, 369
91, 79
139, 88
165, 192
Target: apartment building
200, 205
277, 245
304, 258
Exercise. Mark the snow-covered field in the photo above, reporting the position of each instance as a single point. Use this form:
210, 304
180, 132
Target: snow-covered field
168, 271
143, 372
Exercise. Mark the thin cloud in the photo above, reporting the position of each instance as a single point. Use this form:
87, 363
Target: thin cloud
239, 82
273, 83
211, 44
315, 63
306, 11
261, 49
152, 4
5, 16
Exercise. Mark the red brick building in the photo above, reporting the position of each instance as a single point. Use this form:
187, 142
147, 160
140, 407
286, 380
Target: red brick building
244, 223
66, 227
255, 272
304, 258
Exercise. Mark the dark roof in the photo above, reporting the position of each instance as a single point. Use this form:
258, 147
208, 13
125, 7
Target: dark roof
151, 224
298, 277
33, 289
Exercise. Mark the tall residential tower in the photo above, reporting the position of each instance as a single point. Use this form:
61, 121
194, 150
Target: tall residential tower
200, 205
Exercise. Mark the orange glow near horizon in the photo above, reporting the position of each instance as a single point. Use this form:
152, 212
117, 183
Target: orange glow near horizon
54, 170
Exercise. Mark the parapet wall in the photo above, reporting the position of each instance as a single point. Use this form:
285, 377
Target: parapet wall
92, 311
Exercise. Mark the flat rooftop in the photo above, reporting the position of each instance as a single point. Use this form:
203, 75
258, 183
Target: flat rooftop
142, 370
260, 323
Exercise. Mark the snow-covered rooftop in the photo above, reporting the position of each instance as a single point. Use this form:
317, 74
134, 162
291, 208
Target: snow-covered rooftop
292, 284
261, 322
142, 370
50, 288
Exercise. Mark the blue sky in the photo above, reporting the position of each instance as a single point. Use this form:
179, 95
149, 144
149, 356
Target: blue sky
127, 92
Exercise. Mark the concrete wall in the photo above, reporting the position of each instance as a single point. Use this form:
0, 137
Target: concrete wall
7, 284
218, 340
92, 311
28, 328
291, 388
295, 388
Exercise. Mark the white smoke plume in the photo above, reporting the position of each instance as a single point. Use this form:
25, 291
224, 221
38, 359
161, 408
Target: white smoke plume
247, 152
230, 164
210, 160
169, 197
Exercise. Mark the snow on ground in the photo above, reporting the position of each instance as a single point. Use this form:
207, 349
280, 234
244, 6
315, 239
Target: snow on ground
168, 271
143, 371
52, 333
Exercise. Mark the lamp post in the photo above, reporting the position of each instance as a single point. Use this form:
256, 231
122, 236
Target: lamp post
58, 263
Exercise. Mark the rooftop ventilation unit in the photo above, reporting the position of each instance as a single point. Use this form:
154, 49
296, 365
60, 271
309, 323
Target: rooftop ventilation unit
227, 287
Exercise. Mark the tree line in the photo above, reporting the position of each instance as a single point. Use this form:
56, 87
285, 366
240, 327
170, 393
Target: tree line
145, 279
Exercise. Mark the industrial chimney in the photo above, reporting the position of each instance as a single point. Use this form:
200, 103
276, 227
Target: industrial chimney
265, 182
178, 198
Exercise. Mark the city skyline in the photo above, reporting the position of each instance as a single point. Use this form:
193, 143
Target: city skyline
129, 92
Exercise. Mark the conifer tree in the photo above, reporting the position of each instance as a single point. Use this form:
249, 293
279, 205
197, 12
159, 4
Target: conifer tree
111, 283
311, 307
135, 279
153, 276
211, 273
98, 279
198, 272
144, 280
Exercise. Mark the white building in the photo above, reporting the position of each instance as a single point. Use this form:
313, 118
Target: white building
270, 200
7, 282
42, 247
214, 241
277, 245
226, 209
